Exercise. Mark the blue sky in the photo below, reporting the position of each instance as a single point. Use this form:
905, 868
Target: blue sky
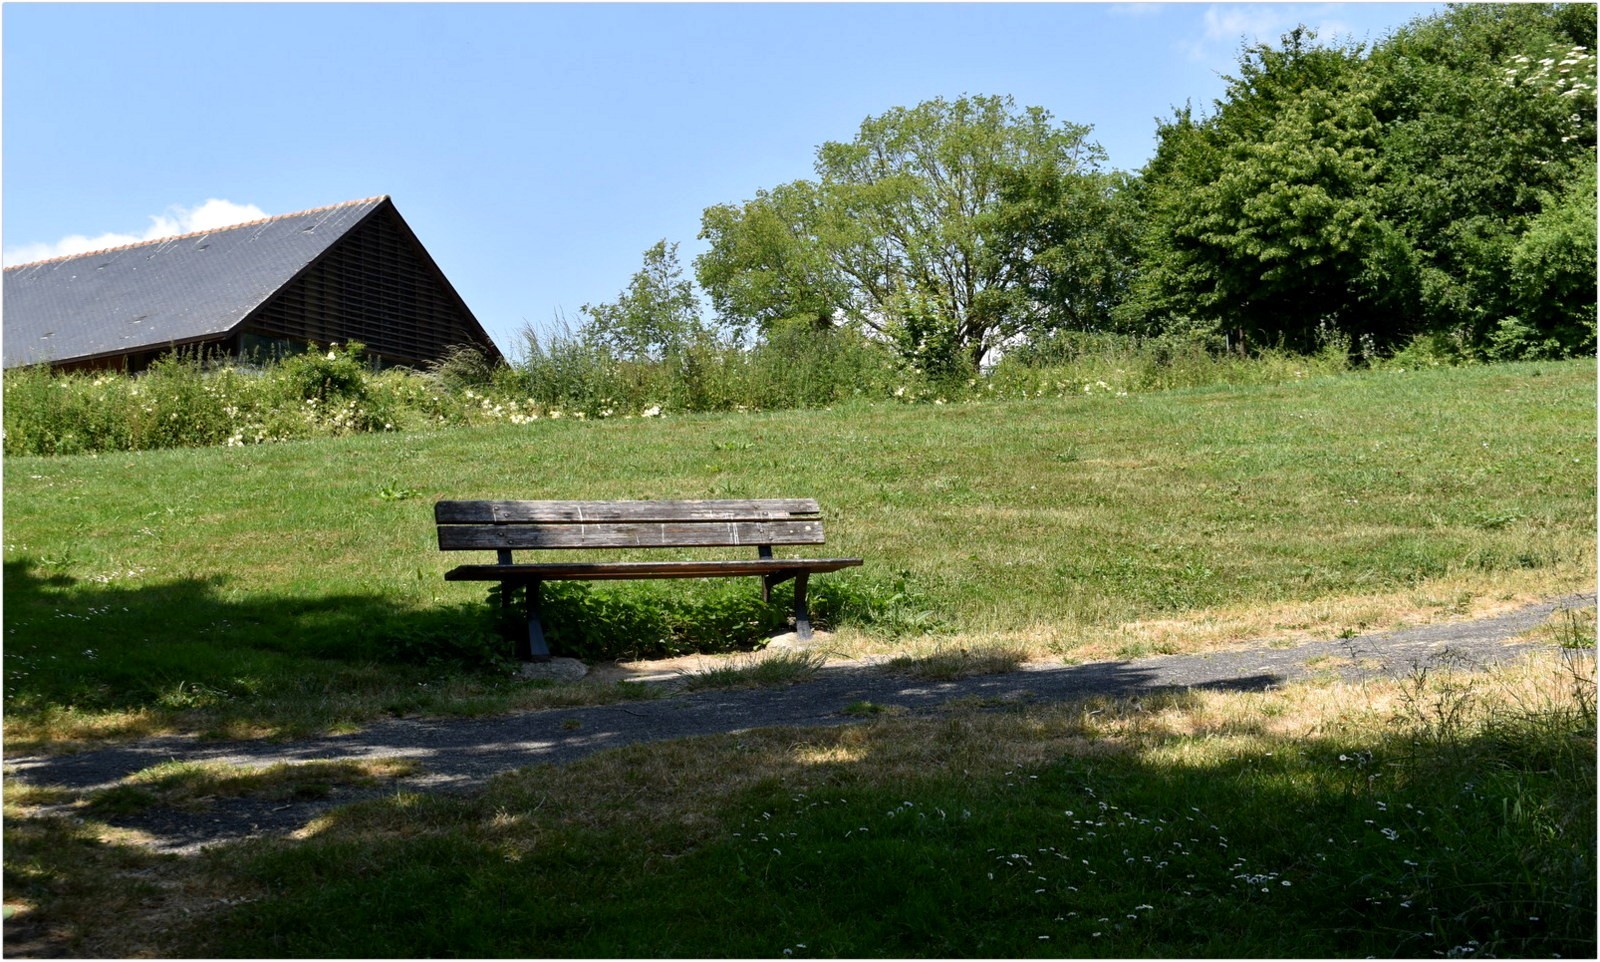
538, 149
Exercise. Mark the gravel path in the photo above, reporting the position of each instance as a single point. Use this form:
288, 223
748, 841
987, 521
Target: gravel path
462, 754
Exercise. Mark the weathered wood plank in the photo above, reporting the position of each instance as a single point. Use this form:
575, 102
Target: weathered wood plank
676, 534
590, 512
620, 570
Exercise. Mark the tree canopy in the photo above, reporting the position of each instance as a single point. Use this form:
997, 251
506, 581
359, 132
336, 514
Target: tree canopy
917, 231
1377, 195
1439, 183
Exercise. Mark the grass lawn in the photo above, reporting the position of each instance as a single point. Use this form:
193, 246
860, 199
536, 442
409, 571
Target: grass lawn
1448, 814
297, 586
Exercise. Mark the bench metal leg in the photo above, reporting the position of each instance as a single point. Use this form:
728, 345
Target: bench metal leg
765, 551
533, 648
802, 615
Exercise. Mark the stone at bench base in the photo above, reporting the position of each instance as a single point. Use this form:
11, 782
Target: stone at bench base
556, 669
791, 641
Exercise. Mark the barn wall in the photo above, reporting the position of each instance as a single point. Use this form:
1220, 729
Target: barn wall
373, 286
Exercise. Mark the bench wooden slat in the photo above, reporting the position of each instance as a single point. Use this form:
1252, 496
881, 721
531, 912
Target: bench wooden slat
676, 534
589, 512
628, 570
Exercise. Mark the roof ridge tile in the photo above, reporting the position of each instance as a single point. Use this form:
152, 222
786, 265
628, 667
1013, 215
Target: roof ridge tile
196, 233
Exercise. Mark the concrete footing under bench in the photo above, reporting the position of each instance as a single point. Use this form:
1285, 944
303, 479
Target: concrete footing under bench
556, 669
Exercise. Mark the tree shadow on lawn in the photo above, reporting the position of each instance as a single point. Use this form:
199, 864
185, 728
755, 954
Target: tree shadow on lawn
189, 646
876, 840
207, 658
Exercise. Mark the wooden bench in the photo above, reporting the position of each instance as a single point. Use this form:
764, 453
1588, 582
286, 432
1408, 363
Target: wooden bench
508, 526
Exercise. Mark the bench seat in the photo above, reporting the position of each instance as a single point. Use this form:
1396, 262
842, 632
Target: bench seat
628, 570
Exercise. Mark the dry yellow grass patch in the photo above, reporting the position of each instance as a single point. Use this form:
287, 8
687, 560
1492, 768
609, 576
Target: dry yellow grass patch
64, 730
232, 779
1211, 721
940, 661
1281, 625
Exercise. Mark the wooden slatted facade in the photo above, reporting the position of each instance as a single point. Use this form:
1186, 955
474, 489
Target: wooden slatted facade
377, 286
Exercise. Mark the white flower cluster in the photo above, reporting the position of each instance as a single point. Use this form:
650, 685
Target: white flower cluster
343, 418
527, 410
1570, 75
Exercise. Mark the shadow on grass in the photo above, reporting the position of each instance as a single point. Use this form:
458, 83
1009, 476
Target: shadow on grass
196, 646
975, 835
999, 827
190, 645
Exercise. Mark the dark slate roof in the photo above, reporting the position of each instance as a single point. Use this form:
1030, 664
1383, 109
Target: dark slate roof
177, 290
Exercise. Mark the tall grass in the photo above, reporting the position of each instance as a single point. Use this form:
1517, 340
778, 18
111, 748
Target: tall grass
186, 400
1115, 364
795, 368
191, 401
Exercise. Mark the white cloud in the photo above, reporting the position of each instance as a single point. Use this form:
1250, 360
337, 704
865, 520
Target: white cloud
177, 219
1228, 25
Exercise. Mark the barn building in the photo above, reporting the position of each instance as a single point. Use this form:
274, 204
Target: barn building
350, 272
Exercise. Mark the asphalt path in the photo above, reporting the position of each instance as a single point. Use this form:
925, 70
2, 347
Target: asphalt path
463, 754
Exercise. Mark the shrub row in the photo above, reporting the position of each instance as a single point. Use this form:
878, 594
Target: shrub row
190, 401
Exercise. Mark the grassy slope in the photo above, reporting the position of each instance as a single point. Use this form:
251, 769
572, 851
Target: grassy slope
208, 578
1319, 820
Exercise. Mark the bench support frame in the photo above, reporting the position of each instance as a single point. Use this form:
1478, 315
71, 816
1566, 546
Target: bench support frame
533, 647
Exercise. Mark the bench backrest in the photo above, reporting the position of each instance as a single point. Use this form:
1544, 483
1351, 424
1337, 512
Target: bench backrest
505, 525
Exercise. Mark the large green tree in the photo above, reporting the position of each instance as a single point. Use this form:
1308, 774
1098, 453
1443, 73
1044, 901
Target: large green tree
1265, 211
766, 267
915, 231
1488, 116
1426, 185
1552, 288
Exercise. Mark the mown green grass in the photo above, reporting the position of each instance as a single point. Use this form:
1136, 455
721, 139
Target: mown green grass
298, 585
